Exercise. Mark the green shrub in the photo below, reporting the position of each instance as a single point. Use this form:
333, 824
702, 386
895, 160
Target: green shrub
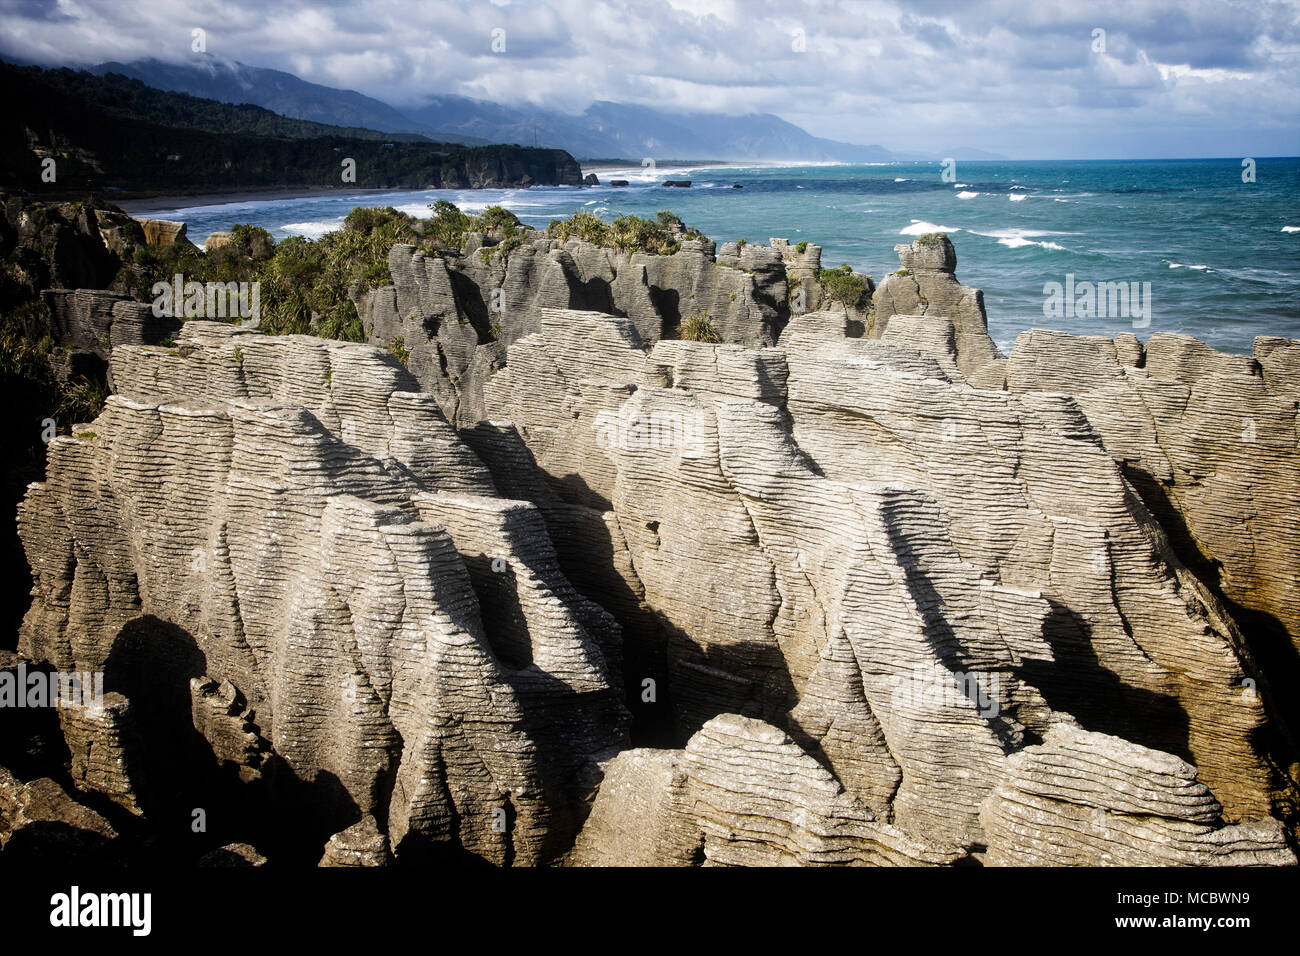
28, 359
499, 220
581, 225
252, 242
801, 247
81, 400
844, 286
660, 236
26, 347
698, 328
670, 220
398, 348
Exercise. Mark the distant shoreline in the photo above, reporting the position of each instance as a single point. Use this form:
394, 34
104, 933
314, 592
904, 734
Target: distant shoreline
141, 206
145, 205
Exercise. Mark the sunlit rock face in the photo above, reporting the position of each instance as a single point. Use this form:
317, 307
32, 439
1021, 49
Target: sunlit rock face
831, 591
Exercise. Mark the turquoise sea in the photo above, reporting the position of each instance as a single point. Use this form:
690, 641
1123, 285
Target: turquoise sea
1222, 255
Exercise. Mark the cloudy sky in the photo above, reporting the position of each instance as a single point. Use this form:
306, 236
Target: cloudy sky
1027, 78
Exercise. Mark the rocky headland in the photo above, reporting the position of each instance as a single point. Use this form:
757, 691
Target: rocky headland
710, 555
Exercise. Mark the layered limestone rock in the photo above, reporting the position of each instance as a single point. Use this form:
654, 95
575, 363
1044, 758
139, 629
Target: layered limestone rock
1211, 440
914, 578
742, 793
233, 855
927, 285
871, 599
40, 823
360, 845
1085, 799
458, 318
221, 716
271, 503
101, 739
65, 245
160, 233
89, 324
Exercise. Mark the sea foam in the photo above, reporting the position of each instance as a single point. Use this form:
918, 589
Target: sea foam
920, 228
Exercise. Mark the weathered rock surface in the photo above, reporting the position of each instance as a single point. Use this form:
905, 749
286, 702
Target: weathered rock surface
927, 285
741, 794
269, 502
874, 599
233, 855
361, 844
101, 739
89, 324
1209, 439
40, 823
64, 245
228, 725
1091, 800
833, 529
160, 233
458, 318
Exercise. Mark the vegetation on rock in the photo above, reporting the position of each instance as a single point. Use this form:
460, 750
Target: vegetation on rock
843, 285
661, 236
698, 328
399, 349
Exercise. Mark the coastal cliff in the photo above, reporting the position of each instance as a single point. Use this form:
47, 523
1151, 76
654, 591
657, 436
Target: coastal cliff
69, 136
844, 585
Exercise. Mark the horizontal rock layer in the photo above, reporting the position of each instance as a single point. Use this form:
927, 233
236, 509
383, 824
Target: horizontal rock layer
881, 599
289, 509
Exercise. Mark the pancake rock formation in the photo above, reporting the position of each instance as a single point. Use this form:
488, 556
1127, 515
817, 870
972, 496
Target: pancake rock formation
843, 589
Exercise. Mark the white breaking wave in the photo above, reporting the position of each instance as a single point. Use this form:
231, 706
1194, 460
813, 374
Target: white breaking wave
901, 180
1291, 228
1016, 242
960, 185
1018, 238
1016, 197
313, 230
919, 228
966, 194
1179, 265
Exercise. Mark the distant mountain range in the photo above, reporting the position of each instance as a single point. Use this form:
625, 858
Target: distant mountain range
70, 132
604, 131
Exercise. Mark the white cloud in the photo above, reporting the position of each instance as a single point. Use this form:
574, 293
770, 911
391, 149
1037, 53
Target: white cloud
930, 74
